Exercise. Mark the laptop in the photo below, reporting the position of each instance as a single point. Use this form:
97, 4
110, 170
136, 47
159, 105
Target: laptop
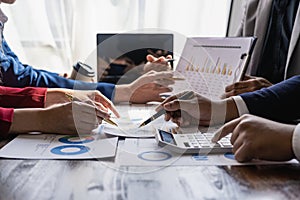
119, 52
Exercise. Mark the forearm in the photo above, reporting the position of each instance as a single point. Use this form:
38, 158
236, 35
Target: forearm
22, 97
279, 102
26, 120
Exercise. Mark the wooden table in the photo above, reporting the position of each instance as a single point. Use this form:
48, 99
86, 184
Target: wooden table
93, 179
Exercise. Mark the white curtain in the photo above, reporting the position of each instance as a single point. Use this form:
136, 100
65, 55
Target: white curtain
54, 34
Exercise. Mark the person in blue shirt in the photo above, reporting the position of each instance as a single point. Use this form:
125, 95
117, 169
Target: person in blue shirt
15, 74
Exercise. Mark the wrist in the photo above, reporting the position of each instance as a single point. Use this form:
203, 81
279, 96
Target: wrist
122, 93
26, 120
231, 110
57, 95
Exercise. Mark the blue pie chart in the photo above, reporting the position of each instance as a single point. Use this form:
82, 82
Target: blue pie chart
71, 139
154, 156
68, 150
229, 156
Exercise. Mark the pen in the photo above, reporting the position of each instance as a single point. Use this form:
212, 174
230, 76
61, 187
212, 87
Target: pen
71, 98
162, 111
170, 60
175, 78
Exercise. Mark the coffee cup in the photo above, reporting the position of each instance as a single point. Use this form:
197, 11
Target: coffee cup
82, 72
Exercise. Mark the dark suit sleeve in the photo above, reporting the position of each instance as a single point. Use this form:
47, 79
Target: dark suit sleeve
16, 74
280, 102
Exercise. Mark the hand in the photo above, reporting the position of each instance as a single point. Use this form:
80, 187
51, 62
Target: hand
198, 110
58, 95
258, 138
157, 64
249, 84
68, 118
144, 89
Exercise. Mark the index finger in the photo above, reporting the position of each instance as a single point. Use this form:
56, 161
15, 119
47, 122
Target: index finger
225, 130
107, 103
169, 99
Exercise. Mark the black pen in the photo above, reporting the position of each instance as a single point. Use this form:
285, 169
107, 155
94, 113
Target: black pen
187, 95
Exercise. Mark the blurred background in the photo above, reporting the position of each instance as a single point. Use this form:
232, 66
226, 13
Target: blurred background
62, 32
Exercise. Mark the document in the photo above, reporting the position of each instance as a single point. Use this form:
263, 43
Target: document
131, 118
52, 146
210, 64
146, 152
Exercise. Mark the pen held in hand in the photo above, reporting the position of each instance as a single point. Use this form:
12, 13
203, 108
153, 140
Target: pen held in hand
72, 98
187, 95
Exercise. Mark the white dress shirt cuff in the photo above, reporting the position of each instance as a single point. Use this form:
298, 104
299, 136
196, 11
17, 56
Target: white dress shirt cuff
241, 105
296, 142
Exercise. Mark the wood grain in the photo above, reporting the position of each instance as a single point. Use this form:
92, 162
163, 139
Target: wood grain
91, 179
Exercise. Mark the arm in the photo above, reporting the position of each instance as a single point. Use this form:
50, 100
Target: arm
68, 118
16, 74
279, 102
22, 97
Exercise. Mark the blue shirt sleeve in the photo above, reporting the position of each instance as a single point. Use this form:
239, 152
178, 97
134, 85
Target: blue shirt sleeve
280, 102
16, 74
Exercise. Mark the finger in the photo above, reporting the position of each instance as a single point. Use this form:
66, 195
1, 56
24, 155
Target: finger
243, 154
179, 104
169, 99
165, 82
101, 114
225, 130
237, 85
106, 102
168, 116
150, 58
238, 91
163, 75
100, 106
237, 144
169, 57
247, 77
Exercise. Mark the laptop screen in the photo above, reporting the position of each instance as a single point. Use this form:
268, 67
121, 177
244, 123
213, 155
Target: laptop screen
116, 53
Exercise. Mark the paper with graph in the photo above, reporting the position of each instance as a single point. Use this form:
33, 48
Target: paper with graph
53, 146
210, 64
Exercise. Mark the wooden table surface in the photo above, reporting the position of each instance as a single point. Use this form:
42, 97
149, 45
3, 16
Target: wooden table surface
93, 179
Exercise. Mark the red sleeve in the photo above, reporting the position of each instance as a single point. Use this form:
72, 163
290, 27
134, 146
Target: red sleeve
29, 97
6, 117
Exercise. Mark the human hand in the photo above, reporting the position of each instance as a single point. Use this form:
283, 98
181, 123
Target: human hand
258, 138
144, 89
185, 112
61, 95
197, 110
67, 118
157, 64
249, 84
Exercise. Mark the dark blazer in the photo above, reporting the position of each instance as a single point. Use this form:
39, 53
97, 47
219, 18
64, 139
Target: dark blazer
279, 102
255, 22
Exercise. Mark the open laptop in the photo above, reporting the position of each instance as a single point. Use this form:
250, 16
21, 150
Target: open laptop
118, 52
